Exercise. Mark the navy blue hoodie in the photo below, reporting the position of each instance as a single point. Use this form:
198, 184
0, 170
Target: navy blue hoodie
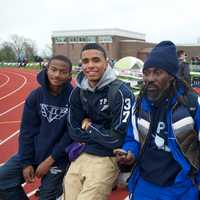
43, 130
109, 123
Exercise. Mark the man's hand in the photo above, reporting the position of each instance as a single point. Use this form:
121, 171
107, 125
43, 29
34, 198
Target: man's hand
28, 174
86, 123
44, 167
124, 157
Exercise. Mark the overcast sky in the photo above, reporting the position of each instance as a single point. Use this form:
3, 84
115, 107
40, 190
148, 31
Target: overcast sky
176, 20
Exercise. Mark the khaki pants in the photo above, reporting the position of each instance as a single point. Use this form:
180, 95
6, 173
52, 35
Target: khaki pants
90, 178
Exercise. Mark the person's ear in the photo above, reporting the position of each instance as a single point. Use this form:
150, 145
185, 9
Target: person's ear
171, 78
69, 76
107, 61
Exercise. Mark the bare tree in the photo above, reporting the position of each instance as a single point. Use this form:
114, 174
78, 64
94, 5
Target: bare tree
30, 50
23, 47
47, 51
17, 43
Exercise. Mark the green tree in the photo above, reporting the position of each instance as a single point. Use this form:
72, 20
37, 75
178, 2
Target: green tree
6, 53
18, 47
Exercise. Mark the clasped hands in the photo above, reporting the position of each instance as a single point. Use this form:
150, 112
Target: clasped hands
122, 156
29, 173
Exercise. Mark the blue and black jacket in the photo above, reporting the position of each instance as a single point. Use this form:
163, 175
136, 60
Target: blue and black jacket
109, 123
43, 130
181, 127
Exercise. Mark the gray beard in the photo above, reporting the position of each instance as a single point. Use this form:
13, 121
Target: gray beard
159, 96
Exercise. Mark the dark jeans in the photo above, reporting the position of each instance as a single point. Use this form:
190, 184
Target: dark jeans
15, 193
11, 179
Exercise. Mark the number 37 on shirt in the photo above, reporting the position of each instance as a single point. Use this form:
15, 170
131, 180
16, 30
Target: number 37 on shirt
126, 109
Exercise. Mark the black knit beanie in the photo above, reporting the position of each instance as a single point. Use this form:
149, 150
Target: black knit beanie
163, 56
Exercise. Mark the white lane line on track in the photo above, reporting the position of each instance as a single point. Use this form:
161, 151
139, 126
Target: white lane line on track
10, 122
23, 184
12, 108
25, 81
30, 73
11, 136
8, 79
32, 193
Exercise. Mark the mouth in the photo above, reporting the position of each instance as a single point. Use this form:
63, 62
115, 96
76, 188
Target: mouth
152, 89
150, 85
55, 81
91, 72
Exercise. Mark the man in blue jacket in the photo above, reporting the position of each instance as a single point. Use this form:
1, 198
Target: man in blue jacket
43, 136
99, 123
164, 132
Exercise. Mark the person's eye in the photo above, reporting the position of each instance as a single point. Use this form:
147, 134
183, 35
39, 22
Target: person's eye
145, 73
64, 73
158, 72
52, 69
96, 60
85, 61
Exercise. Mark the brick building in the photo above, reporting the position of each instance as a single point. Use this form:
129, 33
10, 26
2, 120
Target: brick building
117, 42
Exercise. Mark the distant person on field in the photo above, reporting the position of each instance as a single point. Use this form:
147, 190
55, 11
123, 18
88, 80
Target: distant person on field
184, 69
25, 61
43, 136
20, 62
39, 60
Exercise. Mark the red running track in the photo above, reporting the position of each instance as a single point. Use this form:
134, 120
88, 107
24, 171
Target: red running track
15, 85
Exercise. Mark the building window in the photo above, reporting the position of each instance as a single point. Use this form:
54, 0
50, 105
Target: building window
60, 40
91, 39
82, 39
105, 39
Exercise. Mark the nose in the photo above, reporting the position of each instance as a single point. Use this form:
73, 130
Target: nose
57, 73
88, 66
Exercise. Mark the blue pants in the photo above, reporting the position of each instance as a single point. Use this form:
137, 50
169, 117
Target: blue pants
148, 191
11, 178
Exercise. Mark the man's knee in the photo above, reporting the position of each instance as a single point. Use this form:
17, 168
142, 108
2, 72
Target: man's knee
16, 193
2, 172
3, 178
11, 175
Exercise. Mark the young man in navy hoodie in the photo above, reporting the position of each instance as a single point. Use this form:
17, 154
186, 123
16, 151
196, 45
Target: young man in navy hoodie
43, 136
97, 122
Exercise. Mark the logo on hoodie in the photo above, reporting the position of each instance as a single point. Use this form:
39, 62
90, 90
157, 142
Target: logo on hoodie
52, 113
104, 104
